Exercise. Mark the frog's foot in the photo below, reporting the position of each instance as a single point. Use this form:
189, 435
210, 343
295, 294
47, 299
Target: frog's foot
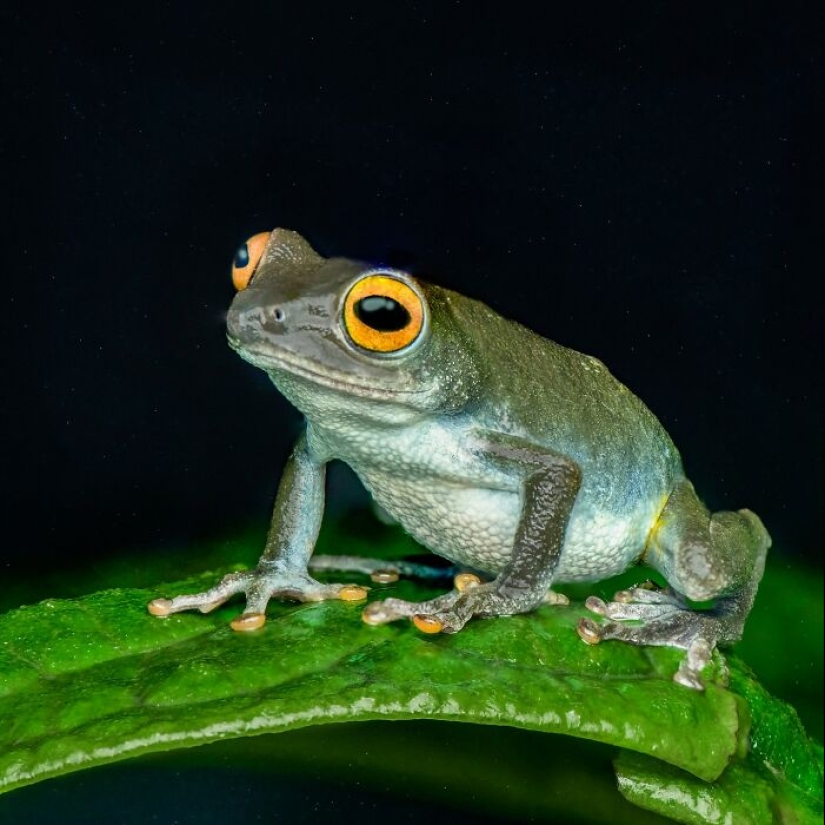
382, 571
450, 612
662, 618
259, 585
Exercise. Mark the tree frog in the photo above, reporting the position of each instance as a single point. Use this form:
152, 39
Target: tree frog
498, 449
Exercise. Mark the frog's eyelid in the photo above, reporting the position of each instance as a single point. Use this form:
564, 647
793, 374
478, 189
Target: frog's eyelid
252, 251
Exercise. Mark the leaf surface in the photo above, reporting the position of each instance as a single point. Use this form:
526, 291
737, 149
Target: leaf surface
95, 679
89, 680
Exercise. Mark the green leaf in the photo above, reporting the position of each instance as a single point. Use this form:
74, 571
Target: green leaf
739, 796
745, 794
95, 679
780, 780
89, 680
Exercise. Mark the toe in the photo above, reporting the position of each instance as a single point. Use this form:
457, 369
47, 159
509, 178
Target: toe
352, 593
689, 678
247, 622
466, 581
589, 631
551, 597
596, 605
376, 613
428, 624
160, 607
384, 576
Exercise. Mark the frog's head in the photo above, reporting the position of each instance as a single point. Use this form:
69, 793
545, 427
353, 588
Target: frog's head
335, 334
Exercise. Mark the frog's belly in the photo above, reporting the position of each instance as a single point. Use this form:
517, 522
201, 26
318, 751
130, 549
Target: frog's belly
476, 527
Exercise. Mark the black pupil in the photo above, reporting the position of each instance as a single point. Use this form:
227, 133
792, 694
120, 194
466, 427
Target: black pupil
382, 313
242, 257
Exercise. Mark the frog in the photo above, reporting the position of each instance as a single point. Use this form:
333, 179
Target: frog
523, 462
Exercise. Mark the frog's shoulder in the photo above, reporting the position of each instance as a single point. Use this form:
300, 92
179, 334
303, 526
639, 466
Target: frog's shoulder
537, 388
513, 353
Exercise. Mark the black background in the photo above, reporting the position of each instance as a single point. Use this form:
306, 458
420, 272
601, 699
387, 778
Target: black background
639, 181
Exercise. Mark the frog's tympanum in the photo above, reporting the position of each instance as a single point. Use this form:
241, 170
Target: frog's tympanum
500, 450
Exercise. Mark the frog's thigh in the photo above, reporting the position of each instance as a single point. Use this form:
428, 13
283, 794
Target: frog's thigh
706, 555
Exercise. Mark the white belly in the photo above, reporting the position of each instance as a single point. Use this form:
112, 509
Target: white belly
477, 527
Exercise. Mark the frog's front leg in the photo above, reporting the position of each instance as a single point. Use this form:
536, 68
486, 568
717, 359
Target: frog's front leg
282, 569
703, 557
550, 483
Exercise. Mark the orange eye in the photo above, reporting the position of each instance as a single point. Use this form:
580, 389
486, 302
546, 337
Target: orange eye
246, 259
383, 314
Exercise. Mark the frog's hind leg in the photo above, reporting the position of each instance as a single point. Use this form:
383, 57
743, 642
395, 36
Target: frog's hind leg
383, 571
703, 556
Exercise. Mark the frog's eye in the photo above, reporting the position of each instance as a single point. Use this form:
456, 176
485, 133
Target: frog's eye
383, 314
246, 259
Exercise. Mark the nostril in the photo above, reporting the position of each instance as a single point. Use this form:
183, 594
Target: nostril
278, 314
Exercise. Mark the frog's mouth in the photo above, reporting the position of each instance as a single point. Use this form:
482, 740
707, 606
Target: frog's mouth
333, 379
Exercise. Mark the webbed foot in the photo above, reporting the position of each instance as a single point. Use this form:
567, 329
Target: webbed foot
259, 586
663, 619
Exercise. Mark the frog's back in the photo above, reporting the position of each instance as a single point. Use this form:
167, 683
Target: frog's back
571, 404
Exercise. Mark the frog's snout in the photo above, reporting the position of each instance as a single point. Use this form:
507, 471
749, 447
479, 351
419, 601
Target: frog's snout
250, 325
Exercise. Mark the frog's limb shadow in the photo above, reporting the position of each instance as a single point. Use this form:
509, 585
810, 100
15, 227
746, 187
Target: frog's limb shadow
704, 556
550, 483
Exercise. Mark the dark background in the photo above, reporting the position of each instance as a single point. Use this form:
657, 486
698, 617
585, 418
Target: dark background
639, 181
643, 184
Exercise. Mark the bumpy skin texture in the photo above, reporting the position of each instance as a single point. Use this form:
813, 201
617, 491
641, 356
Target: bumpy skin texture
496, 448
